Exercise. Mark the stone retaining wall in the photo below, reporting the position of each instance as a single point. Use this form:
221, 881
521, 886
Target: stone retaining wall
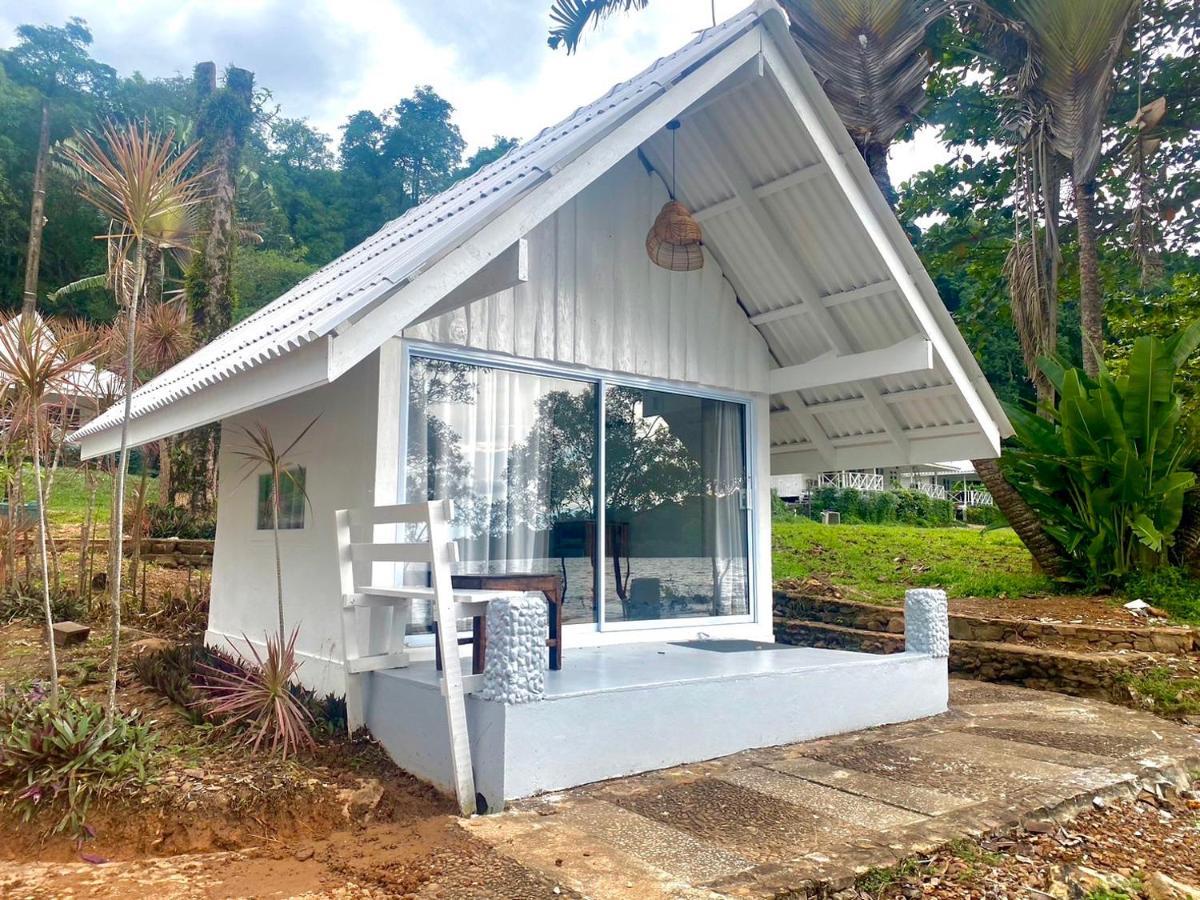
868, 617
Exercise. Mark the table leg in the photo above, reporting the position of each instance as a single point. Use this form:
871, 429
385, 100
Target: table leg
556, 631
478, 644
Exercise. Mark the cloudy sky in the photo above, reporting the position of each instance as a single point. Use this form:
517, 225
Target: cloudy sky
325, 59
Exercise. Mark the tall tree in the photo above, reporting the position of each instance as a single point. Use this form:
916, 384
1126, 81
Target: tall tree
55, 62
424, 143
1075, 48
224, 117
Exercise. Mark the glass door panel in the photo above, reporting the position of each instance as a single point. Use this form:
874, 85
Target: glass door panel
676, 543
516, 452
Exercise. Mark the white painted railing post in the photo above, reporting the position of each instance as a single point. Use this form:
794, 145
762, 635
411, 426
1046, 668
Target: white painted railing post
926, 622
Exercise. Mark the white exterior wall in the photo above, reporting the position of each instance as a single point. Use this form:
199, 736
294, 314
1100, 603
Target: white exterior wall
339, 457
594, 298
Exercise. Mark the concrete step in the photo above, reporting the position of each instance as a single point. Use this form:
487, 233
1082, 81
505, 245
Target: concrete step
836, 637
890, 620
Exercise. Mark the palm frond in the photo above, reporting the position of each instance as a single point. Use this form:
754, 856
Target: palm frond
870, 57
1077, 46
89, 283
570, 18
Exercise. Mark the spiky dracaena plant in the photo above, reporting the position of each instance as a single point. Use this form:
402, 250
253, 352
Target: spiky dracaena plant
139, 180
34, 366
259, 452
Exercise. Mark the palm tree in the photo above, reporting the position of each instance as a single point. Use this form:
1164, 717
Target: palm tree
138, 180
869, 55
33, 367
1074, 48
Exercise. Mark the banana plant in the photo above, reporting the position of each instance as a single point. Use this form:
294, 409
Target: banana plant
1107, 466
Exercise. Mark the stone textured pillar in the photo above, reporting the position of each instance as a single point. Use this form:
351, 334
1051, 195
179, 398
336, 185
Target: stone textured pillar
927, 622
514, 666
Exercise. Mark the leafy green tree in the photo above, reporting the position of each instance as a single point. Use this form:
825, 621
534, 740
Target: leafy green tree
55, 63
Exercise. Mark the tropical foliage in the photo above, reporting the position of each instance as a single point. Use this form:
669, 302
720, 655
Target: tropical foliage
1108, 466
57, 760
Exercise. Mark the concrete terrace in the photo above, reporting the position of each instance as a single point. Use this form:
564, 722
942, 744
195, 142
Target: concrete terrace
789, 819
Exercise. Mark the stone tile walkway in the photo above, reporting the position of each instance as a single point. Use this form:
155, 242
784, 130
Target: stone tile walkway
785, 820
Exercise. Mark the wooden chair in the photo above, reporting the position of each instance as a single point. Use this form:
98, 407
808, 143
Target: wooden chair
436, 550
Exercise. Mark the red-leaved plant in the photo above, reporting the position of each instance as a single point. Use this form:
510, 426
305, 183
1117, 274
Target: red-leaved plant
256, 696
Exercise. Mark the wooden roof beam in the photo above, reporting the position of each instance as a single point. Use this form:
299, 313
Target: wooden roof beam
829, 300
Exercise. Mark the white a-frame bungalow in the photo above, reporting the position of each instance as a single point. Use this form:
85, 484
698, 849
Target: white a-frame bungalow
604, 427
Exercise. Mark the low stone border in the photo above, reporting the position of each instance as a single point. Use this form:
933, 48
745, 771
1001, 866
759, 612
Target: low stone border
888, 619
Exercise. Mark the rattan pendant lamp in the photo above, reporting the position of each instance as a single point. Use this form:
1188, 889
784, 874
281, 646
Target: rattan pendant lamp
674, 239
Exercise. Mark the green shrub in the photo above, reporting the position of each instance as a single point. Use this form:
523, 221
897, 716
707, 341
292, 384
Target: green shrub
23, 602
1106, 468
901, 505
1170, 589
62, 760
177, 670
989, 516
179, 522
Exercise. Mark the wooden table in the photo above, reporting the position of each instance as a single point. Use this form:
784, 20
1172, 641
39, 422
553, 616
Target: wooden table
550, 585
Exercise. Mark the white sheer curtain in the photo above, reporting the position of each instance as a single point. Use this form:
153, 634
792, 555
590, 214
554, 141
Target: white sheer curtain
724, 467
486, 439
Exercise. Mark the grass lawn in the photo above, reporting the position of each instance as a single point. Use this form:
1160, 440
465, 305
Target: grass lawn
69, 493
876, 563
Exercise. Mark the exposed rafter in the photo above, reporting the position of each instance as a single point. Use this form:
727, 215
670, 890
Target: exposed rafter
914, 354
829, 300
786, 258
934, 392
808, 173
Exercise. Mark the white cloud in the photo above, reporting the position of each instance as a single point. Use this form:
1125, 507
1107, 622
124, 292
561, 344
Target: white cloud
325, 59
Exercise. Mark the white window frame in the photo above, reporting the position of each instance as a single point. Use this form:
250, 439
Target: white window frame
601, 630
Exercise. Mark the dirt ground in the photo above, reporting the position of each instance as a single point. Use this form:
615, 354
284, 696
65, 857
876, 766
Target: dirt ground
215, 821
1064, 609
1111, 852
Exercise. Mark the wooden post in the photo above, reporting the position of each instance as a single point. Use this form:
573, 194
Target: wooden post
447, 639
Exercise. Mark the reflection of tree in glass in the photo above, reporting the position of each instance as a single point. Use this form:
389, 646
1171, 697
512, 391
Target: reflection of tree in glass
645, 466
437, 468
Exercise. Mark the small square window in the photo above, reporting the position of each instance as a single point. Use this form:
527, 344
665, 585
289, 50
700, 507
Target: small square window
291, 499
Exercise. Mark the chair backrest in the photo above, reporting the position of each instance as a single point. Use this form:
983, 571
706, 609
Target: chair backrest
434, 548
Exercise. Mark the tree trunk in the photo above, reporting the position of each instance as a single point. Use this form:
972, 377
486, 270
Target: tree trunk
166, 495
876, 156
1046, 552
1091, 301
37, 216
37, 479
118, 536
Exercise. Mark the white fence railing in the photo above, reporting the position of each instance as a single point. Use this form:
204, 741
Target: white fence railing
973, 498
859, 481
874, 483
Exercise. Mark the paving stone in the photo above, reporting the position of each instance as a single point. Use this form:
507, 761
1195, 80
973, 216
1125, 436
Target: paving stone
967, 748
660, 845
928, 801
856, 811
743, 821
575, 858
1001, 748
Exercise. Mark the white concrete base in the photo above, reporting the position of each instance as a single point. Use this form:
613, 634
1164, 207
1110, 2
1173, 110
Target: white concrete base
620, 710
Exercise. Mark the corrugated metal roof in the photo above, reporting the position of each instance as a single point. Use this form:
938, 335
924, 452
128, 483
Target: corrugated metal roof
826, 245
362, 276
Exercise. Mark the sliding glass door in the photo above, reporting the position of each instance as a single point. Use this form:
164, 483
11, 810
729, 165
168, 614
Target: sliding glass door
521, 452
674, 504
